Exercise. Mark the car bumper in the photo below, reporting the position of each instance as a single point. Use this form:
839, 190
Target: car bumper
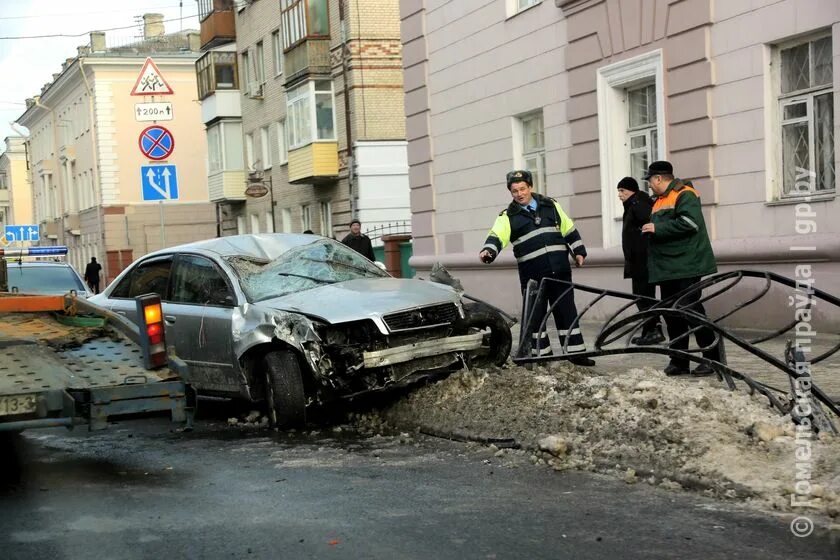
401, 354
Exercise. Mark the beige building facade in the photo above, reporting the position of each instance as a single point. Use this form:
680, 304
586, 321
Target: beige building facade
322, 123
15, 188
739, 95
86, 164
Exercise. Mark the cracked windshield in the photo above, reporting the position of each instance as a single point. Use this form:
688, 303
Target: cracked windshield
302, 268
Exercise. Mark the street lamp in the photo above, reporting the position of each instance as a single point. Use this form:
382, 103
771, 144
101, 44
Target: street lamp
257, 189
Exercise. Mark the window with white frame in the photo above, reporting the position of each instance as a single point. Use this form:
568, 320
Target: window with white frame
215, 160
642, 131
282, 151
806, 116
277, 52
265, 148
246, 72
259, 63
529, 147
249, 151
269, 222
516, 6
630, 129
310, 113
224, 146
286, 220
240, 225
305, 218
255, 223
326, 218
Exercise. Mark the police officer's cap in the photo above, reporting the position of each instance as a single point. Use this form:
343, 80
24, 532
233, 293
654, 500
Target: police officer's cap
519, 176
659, 168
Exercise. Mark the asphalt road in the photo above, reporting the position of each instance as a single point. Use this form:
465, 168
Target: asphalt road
140, 490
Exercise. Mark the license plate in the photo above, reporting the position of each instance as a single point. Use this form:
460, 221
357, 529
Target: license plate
17, 404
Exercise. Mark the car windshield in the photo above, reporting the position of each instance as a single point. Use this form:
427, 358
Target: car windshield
43, 279
302, 268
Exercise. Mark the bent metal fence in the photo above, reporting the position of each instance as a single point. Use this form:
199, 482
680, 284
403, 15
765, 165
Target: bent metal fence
803, 398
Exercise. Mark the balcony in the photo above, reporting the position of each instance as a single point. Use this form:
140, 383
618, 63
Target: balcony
72, 223
218, 28
314, 163
310, 57
227, 186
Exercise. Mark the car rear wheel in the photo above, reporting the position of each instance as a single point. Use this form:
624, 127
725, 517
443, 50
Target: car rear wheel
284, 389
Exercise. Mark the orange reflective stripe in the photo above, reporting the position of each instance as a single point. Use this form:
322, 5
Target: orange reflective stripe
670, 201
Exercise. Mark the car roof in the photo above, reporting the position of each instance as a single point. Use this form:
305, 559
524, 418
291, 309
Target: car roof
38, 263
266, 246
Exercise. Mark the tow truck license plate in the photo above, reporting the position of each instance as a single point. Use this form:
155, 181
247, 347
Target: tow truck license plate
17, 404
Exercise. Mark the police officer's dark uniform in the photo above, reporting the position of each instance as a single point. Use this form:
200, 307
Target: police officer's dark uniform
542, 236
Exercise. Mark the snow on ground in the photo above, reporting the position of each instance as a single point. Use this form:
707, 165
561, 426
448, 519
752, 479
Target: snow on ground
641, 426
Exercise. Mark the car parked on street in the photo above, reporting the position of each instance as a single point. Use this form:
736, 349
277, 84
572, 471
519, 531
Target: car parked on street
44, 277
300, 319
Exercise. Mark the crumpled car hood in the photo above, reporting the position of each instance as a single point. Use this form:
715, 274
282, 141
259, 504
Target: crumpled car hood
361, 299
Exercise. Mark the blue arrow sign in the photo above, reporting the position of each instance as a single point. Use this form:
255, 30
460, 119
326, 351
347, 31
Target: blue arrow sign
159, 182
28, 232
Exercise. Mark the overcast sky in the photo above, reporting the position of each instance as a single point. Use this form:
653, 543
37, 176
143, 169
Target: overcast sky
27, 64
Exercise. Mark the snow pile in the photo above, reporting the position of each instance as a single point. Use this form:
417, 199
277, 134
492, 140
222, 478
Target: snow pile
640, 426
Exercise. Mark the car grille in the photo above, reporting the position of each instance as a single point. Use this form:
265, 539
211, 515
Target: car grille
422, 317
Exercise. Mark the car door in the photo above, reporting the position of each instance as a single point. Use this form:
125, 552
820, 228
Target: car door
199, 318
150, 276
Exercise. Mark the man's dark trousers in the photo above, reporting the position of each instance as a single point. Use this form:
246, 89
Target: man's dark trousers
678, 326
564, 314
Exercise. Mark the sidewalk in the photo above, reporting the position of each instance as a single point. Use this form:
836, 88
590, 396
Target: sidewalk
826, 374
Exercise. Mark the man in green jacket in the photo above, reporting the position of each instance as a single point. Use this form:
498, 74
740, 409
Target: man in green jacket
679, 254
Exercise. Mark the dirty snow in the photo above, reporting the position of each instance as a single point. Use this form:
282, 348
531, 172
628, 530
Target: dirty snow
641, 426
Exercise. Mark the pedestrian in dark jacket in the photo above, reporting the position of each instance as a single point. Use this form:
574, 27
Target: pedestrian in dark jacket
92, 271
358, 241
680, 253
543, 237
637, 207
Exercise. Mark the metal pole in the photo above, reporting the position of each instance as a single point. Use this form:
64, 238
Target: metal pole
162, 231
271, 193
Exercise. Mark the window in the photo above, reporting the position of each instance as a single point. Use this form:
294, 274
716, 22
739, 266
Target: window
277, 52
269, 222
205, 9
265, 148
326, 218
240, 225
310, 113
516, 6
255, 223
246, 72
259, 64
149, 277
296, 14
641, 129
305, 218
529, 147
198, 281
286, 220
282, 152
806, 117
630, 99
216, 71
249, 151
215, 161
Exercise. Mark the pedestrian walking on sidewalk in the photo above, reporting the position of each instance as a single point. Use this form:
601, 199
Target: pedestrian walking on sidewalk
637, 208
679, 255
358, 241
92, 273
542, 236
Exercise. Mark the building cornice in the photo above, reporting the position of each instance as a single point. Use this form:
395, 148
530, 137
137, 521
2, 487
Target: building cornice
573, 6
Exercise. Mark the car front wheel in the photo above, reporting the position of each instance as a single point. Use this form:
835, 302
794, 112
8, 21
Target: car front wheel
284, 389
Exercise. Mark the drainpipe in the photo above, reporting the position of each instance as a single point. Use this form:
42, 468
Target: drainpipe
100, 240
345, 60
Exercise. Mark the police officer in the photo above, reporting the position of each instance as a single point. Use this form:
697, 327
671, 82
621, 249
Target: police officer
679, 254
542, 236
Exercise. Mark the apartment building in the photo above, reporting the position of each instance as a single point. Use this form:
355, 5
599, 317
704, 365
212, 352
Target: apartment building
15, 189
323, 128
86, 158
739, 95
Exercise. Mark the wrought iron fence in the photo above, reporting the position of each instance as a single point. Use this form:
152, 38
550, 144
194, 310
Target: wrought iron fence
401, 227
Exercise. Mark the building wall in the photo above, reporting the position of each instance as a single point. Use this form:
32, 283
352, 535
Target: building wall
13, 165
470, 70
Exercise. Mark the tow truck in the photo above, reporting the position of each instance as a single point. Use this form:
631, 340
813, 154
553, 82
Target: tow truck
67, 362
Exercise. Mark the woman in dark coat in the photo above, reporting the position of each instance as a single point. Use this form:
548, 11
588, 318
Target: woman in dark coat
637, 208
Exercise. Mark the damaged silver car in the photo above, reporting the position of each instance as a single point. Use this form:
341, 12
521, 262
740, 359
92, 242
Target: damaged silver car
297, 320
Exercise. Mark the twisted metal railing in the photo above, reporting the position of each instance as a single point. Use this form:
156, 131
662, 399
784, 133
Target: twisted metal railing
804, 398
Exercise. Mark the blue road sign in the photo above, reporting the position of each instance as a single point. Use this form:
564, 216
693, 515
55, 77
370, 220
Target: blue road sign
160, 182
156, 142
27, 232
